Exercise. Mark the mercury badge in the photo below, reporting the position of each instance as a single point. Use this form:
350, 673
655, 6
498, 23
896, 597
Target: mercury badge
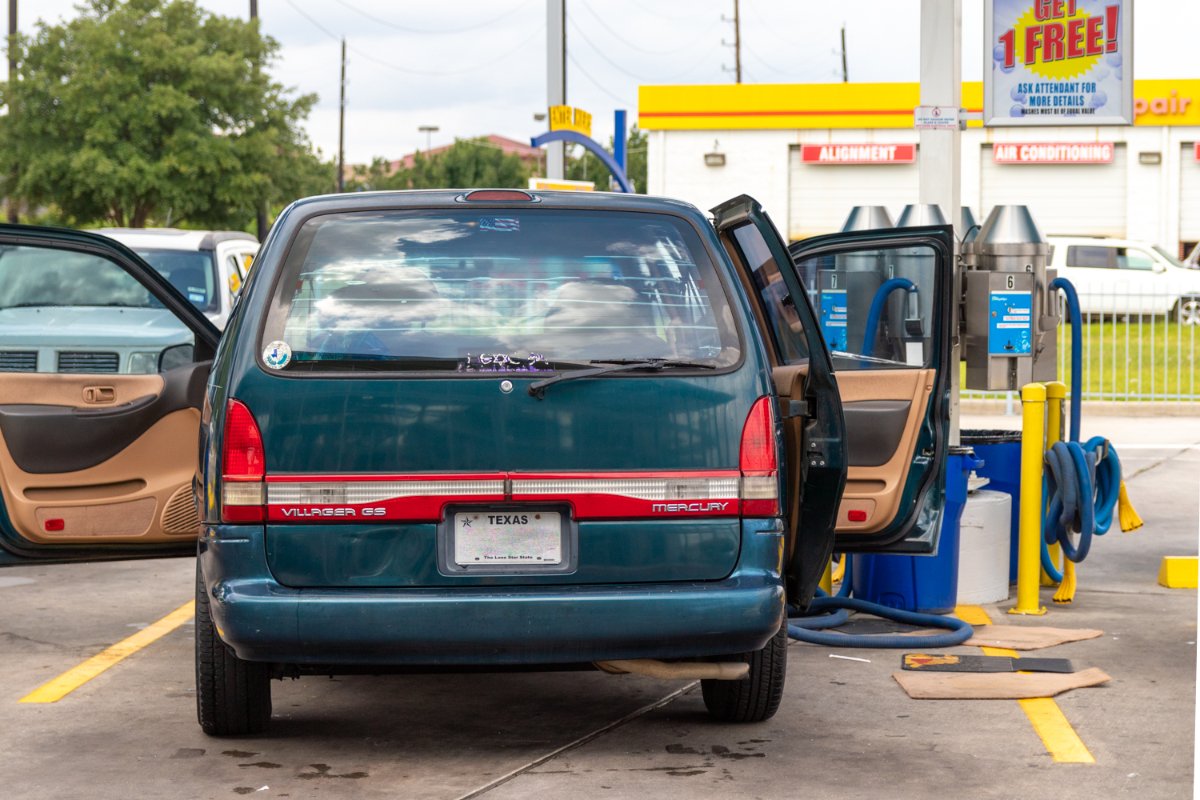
277, 355
506, 386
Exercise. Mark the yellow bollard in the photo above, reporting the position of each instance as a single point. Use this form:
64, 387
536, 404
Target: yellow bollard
1056, 393
1033, 444
826, 583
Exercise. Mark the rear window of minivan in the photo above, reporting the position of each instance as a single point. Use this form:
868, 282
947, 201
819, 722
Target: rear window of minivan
491, 290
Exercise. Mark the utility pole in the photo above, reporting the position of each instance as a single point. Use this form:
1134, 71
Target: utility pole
845, 71
737, 41
341, 175
260, 213
12, 81
556, 79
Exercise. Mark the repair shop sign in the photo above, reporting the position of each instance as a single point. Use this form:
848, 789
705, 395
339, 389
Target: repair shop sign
867, 153
1058, 62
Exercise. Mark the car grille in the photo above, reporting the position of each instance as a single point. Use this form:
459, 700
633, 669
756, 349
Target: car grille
18, 361
88, 362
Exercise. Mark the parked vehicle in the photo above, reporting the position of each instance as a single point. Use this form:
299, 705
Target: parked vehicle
208, 267
1126, 277
77, 312
462, 429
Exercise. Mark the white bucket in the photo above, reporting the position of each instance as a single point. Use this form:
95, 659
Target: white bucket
983, 547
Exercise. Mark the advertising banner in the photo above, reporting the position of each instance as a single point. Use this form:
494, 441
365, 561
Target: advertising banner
1058, 62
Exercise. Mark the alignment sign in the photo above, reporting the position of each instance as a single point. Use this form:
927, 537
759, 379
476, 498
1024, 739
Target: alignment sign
1058, 62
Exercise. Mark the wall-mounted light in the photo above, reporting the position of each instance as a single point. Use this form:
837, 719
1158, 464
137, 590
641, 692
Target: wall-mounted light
1150, 159
716, 158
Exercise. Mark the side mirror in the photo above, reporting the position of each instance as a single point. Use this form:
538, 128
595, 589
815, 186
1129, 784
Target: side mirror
179, 355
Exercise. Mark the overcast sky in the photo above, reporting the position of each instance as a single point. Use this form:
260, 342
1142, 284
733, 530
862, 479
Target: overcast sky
474, 67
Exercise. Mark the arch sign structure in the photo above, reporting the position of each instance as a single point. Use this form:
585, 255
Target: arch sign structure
574, 126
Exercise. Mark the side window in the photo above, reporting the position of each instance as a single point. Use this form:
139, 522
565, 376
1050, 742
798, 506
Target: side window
787, 330
70, 312
1128, 258
1090, 256
876, 306
234, 272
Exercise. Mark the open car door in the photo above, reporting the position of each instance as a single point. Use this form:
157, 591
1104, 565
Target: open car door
858, 330
103, 366
885, 303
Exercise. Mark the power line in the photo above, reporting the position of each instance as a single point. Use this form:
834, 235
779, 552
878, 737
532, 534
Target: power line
619, 37
437, 32
600, 52
623, 101
443, 73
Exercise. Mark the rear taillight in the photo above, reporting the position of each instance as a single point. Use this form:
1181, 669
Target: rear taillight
243, 492
759, 463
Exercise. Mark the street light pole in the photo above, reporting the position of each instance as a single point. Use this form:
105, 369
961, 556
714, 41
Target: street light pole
428, 130
12, 81
341, 176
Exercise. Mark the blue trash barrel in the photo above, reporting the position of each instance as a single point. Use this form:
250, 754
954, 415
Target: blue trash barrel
1001, 454
925, 584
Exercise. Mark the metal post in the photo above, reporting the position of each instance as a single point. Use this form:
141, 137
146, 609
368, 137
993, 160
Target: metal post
1056, 392
341, 174
845, 69
619, 141
253, 9
737, 40
941, 150
556, 79
1029, 537
13, 217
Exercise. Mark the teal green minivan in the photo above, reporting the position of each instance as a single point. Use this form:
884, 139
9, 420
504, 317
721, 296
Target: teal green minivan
452, 430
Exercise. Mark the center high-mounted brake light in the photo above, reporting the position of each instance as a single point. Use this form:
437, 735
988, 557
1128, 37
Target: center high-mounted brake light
498, 195
759, 463
243, 467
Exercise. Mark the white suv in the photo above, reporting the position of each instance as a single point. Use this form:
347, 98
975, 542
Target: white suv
208, 267
1123, 276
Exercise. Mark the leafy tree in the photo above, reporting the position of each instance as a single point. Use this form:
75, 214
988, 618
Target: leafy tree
587, 167
464, 164
155, 111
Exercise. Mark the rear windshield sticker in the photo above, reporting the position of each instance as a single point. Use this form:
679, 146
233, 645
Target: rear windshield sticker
277, 355
500, 224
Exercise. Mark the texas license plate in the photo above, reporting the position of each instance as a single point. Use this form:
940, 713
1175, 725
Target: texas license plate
497, 538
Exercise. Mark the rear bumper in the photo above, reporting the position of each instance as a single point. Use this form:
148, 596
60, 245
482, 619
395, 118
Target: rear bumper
263, 620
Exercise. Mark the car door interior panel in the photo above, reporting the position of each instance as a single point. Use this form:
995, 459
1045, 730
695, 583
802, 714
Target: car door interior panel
49, 437
77, 470
884, 411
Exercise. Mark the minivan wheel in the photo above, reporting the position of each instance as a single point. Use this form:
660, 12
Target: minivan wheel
1187, 311
233, 697
755, 698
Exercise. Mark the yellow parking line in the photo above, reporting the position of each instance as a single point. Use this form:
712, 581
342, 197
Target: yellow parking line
55, 689
1049, 723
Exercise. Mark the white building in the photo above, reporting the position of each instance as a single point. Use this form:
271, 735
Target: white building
811, 152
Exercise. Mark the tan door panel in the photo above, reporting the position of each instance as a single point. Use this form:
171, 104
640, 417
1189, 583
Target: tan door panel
875, 491
140, 495
55, 389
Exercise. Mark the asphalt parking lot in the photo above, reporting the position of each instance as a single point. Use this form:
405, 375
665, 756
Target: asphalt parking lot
845, 730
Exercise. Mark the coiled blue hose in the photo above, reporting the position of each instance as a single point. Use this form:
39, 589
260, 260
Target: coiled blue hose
876, 311
1083, 481
810, 627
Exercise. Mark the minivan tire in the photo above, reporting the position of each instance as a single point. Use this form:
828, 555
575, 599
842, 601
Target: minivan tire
1187, 311
756, 697
233, 697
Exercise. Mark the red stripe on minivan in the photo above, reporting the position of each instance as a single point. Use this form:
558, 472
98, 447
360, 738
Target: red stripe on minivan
423, 498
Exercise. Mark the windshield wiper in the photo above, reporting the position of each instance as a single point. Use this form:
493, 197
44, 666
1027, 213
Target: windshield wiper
605, 366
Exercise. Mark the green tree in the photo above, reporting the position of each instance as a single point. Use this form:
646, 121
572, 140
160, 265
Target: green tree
139, 112
585, 166
466, 163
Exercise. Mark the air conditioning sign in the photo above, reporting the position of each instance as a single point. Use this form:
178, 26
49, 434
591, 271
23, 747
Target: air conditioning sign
858, 153
1058, 62
1054, 153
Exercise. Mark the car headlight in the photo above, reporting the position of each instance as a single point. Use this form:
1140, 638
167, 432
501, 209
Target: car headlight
143, 362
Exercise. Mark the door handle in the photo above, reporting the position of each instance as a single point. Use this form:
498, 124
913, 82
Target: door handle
99, 394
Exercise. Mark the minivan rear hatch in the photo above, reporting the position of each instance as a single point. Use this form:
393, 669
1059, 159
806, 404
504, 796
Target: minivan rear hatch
404, 446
